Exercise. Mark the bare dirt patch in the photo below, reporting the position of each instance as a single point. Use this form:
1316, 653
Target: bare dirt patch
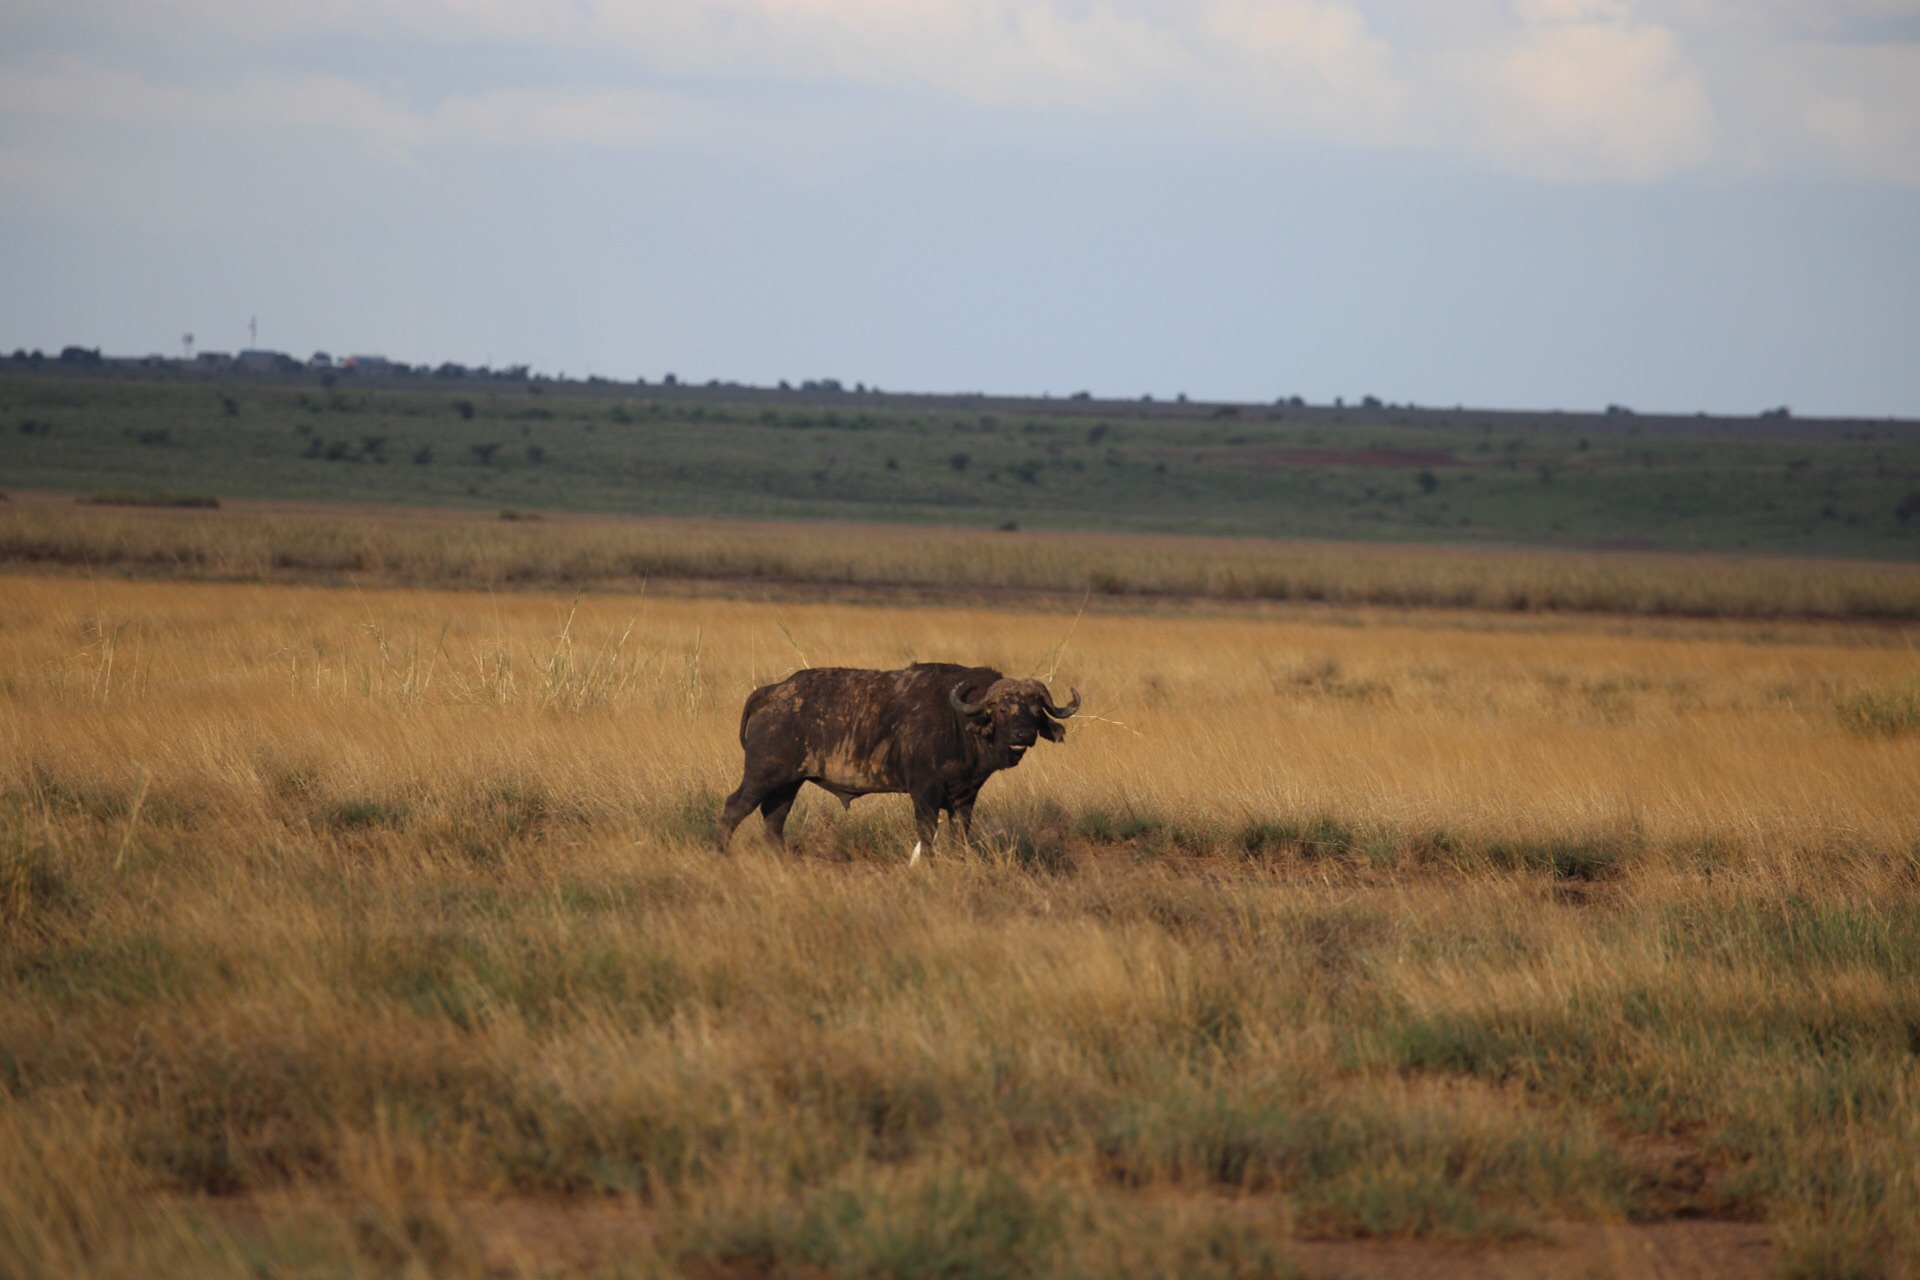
1679, 1250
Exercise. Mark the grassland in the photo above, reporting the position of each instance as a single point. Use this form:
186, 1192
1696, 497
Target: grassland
1383, 474
255, 542
340, 928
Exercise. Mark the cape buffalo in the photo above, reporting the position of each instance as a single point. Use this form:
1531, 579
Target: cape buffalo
933, 731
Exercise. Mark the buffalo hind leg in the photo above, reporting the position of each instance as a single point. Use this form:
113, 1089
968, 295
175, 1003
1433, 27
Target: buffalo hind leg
773, 811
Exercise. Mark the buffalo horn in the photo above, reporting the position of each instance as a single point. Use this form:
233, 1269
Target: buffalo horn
953, 696
1061, 713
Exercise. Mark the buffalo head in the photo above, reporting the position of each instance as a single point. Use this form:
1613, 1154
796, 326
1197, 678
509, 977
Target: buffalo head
1011, 715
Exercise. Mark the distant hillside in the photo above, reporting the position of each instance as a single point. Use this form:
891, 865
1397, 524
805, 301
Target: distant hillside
1772, 483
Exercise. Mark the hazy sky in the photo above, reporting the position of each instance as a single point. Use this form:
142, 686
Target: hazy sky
1703, 204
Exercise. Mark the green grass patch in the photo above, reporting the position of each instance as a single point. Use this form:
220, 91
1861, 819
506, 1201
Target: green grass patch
1367, 474
1319, 837
1361, 1165
1880, 712
983, 1225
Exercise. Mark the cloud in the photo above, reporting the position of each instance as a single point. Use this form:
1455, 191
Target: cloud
1828, 91
1309, 69
77, 90
991, 54
1579, 91
1862, 108
594, 118
1564, 90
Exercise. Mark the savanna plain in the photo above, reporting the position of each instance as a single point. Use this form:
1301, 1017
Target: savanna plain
377, 929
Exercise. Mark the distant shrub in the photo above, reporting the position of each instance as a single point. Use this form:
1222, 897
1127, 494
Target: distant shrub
1106, 826
484, 452
959, 461
464, 408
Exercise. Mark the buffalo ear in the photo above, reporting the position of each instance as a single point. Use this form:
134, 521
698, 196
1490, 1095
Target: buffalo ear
1052, 732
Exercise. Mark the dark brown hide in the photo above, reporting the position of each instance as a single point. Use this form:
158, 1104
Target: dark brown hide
933, 731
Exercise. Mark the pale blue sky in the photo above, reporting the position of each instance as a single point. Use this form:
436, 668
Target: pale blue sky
1704, 204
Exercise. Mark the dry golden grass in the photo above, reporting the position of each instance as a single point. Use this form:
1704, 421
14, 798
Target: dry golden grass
1396, 726
260, 541
388, 907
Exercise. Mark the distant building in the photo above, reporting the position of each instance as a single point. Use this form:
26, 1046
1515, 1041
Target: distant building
256, 360
368, 364
213, 359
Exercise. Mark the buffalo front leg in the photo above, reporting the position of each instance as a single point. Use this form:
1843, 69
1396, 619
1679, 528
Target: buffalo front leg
926, 817
738, 805
960, 821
